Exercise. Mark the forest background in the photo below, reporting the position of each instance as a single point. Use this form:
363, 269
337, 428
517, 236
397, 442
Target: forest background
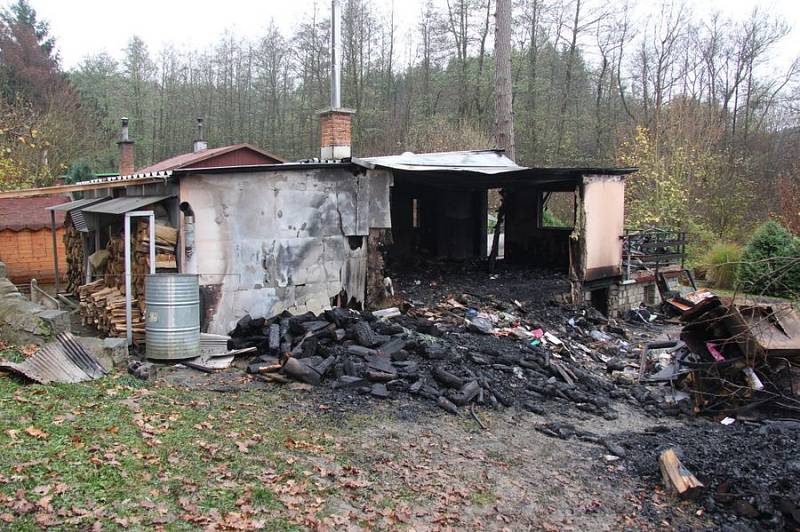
695, 101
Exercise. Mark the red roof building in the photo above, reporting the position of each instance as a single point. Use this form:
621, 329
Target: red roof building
17, 214
234, 155
26, 245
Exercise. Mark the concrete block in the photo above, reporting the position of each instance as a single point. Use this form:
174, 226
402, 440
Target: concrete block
3, 272
57, 320
117, 350
21, 314
112, 353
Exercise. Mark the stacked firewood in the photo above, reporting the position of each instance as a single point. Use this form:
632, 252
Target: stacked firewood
73, 244
103, 301
103, 307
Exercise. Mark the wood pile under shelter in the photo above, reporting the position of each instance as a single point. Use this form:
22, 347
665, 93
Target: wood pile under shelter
102, 302
73, 245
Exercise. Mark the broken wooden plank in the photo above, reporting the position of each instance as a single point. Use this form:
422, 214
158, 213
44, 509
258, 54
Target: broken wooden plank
677, 478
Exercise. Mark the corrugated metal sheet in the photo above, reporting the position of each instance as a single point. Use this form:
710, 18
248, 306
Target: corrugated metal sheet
486, 162
124, 178
124, 204
79, 221
72, 205
481, 161
65, 360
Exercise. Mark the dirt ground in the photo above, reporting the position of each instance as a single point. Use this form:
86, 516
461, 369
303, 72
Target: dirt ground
229, 451
448, 472
509, 476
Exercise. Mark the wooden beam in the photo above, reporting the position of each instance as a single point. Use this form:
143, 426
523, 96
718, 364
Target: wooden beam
62, 189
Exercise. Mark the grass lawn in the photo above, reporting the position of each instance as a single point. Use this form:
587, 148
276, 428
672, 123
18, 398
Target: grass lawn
117, 453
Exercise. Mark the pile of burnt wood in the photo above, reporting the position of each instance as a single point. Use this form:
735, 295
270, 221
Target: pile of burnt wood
734, 357
359, 352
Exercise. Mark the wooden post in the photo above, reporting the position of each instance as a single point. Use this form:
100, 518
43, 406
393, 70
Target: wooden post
55, 248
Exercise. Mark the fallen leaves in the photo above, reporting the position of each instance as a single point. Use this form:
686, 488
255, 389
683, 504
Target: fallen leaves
29, 350
39, 434
244, 446
305, 445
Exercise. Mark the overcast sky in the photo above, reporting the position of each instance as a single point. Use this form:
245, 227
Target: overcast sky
85, 27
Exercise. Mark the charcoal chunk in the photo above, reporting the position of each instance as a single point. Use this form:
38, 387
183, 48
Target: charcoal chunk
379, 391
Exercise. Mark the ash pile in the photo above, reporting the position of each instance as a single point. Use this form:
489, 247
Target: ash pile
466, 350
749, 473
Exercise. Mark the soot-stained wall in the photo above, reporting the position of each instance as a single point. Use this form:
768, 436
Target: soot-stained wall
526, 242
447, 224
281, 240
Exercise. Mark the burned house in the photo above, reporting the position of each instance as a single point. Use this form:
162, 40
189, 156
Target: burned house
439, 209
266, 235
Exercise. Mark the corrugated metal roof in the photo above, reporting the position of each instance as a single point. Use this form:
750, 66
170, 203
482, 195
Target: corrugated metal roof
488, 162
124, 204
480, 161
79, 221
72, 205
123, 178
65, 360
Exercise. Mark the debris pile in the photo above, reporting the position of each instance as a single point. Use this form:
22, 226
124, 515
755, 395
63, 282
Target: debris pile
733, 358
465, 350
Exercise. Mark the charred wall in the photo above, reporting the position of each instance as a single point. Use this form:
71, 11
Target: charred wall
526, 242
292, 239
437, 223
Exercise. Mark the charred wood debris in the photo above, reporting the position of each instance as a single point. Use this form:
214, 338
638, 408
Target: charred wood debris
472, 349
467, 350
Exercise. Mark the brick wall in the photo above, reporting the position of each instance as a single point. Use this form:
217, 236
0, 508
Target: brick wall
29, 255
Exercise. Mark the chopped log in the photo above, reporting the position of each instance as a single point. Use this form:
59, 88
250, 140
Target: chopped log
300, 371
102, 302
447, 406
73, 246
677, 478
466, 394
446, 378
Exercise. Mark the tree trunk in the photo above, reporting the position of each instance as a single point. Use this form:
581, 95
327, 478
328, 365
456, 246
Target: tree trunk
504, 124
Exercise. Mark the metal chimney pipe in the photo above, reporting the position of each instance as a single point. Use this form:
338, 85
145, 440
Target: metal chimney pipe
336, 54
200, 143
124, 136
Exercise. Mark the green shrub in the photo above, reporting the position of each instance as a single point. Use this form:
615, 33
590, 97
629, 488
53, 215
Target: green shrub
721, 263
551, 220
771, 262
699, 240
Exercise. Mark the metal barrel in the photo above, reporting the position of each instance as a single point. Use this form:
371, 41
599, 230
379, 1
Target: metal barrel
172, 329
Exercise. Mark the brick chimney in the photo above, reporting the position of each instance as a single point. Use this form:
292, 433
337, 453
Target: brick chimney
125, 150
335, 123
335, 130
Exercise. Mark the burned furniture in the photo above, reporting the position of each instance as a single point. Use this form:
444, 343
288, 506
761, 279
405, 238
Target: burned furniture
735, 358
